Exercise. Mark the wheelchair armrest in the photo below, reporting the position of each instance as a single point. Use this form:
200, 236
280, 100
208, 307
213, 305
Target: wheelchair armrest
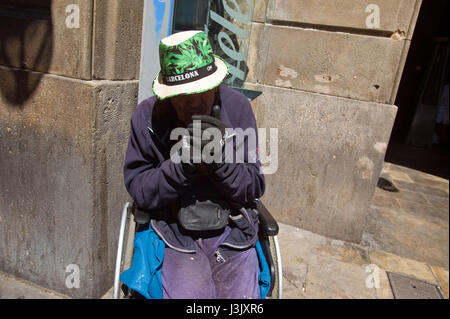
267, 223
141, 217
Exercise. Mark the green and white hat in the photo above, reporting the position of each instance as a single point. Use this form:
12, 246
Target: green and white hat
188, 65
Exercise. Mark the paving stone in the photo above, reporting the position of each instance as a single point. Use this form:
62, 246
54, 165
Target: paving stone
403, 194
315, 245
412, 173
432, 181
290, 291
108, 294
345, 252
401, 265
439, 202
395, 175
420, 188
329, 278
387, 167
384, 291
428, 213
14, 288
294, 281
408, 236
302, 250
386, 202
442, 278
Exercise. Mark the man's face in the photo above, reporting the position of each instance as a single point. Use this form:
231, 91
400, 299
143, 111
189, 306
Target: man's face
193, 104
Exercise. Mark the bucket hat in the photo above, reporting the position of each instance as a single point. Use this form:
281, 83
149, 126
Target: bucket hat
188, 65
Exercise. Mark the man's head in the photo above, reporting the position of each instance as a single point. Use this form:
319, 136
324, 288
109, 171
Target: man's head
193, 104
188, 67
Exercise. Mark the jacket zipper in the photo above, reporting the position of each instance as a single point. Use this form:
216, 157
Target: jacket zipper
219, 257
165, 241
252, 242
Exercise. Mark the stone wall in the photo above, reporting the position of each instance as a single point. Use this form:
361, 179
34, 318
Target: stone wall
66, 99
329, 73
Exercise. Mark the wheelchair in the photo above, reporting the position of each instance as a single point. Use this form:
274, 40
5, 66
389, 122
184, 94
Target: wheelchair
134, 219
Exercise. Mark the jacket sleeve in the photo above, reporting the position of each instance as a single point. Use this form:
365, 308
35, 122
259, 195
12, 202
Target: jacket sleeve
241, 182
152, 181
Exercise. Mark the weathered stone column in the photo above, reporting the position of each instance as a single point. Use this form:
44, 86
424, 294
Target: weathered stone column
68, 88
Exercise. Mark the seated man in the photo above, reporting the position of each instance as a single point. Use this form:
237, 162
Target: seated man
201, 209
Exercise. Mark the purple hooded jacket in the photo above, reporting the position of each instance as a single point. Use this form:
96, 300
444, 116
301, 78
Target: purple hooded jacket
155, 182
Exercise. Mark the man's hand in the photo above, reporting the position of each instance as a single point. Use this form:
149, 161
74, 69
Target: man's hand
196, 141
193, 147
211, 131
207, 122
213, 121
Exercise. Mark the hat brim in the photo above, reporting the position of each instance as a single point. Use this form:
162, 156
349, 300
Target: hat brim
163, 91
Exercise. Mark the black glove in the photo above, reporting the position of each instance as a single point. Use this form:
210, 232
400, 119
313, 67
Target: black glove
209, 121
214, 124
194, 150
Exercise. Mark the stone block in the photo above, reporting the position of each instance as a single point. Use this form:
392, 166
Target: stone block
352, 14
257, 53
328, 159
41, 41
61, 180
259, 10
340, 64
117, 39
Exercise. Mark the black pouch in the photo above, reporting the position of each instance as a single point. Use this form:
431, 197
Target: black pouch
203, 216
201, 209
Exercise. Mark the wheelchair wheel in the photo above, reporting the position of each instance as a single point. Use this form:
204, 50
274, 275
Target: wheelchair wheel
277, 292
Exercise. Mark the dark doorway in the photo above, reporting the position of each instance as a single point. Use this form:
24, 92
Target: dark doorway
423, 82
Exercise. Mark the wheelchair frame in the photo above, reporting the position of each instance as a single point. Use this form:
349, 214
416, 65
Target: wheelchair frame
267, 237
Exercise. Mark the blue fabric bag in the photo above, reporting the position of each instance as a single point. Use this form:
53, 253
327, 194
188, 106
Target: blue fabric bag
264, 272
144, 275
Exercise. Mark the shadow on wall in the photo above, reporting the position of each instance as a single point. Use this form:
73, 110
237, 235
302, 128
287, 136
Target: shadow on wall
26, 43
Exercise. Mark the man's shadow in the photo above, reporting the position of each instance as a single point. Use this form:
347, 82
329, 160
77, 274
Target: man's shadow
26, 43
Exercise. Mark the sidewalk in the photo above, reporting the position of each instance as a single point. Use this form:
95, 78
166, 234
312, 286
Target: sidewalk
407, 233
14, 288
